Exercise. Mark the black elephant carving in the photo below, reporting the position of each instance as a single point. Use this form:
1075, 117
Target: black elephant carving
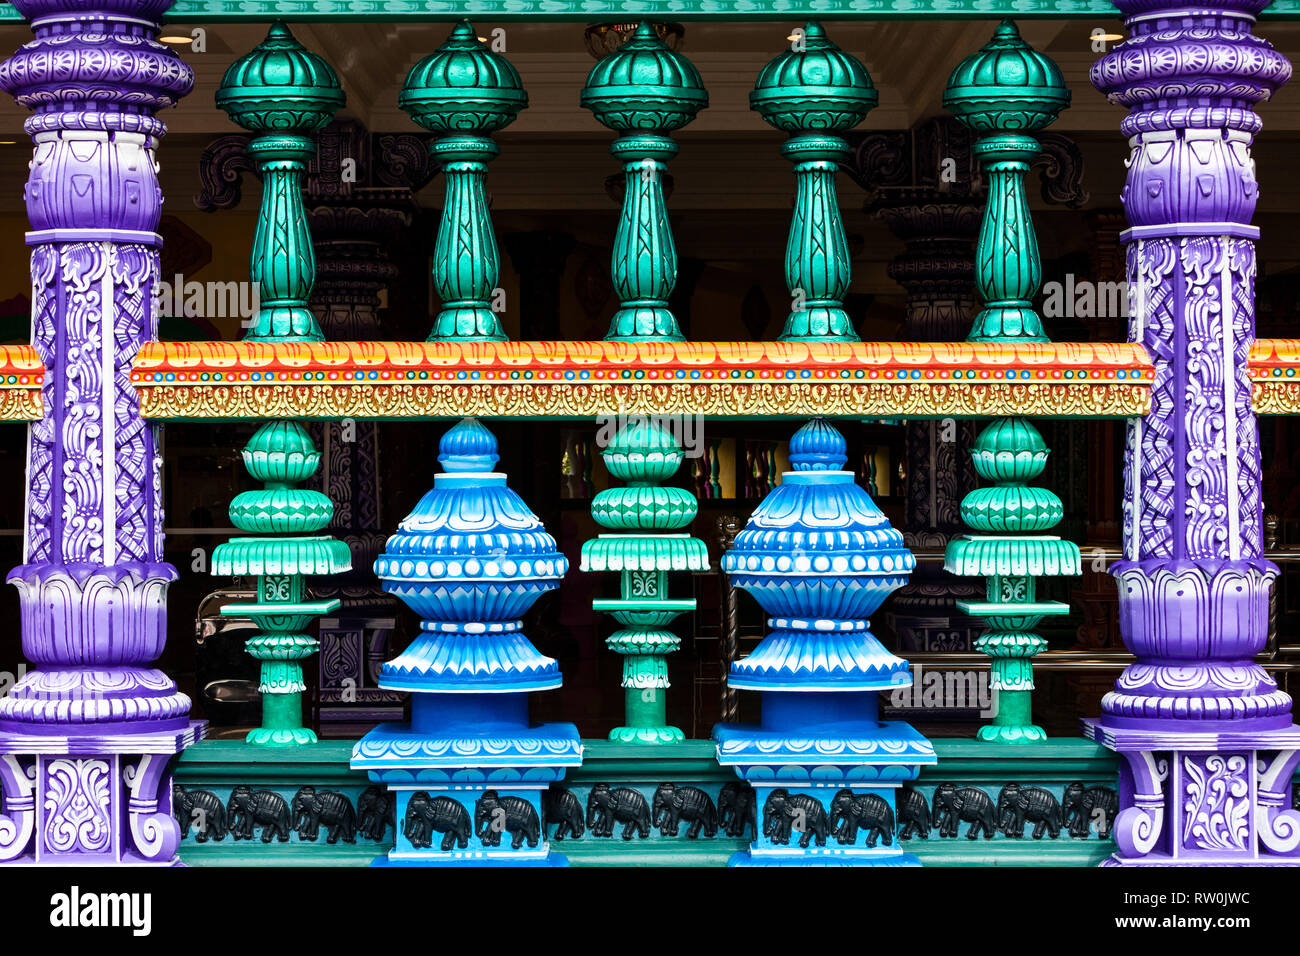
203, 809
954, 805
427, 815
376, 812
311, 808
1019, 805
851, 811
673, 804
606, 807
494, 815
1086, 808
561, 807
913, 814
738, 809
248, 808
785, 812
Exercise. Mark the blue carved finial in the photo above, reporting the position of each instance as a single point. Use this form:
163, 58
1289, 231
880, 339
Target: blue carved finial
468, 447
818, 446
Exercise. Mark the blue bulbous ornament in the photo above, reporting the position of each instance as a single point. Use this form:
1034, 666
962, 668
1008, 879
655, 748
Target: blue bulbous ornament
820, 558
470, 559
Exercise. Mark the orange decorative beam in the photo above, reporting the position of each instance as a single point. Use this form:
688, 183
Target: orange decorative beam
1275, 372
21, 376
378, 380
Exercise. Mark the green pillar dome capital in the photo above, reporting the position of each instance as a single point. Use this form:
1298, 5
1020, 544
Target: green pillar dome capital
644, 86
280, 86
1006, 85
814, 85
463, 87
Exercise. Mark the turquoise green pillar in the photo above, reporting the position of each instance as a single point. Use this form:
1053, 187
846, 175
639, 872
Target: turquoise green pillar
645, 541
644, 92
463, 92
281, 454
1004, 93
815, 92
281, 93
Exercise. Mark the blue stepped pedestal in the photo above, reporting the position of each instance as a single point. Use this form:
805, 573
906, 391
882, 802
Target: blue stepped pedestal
820, 557
468, 773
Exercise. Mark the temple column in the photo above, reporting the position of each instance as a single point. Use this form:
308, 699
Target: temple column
87, 737
353, 224
937, 272
1206, 735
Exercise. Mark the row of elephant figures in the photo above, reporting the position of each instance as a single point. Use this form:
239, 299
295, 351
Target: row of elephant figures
308, 811
607, 807
1081, 811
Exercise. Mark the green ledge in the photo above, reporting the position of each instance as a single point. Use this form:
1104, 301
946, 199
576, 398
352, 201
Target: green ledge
220, 765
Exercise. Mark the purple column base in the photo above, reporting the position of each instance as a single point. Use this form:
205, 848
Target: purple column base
1204, 799
89, 800
1195, 628
92, 631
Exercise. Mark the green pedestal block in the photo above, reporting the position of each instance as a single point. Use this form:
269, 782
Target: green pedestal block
219, 766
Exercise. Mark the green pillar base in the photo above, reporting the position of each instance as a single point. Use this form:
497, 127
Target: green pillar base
282, 717
647, 735
1018, 734
273, 737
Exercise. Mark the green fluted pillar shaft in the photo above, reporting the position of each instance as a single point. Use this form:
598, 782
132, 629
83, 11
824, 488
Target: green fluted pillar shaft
283, 261
1008, 270
466, 264
643, 265
817, 270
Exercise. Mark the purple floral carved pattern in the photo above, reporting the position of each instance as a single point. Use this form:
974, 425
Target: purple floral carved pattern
77, 798
133, 268
1216, 808
1241, 268
41, 435
1152, 265
82, 272
1204, 438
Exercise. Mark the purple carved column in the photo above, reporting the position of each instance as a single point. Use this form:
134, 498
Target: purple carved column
1206, 736
87, 737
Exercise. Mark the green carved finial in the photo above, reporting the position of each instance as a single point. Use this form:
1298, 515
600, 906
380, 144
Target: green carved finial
1003, 93
1010, 452
815, 91
281, 455
644, 517
644, 92
463, 92
282, 93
